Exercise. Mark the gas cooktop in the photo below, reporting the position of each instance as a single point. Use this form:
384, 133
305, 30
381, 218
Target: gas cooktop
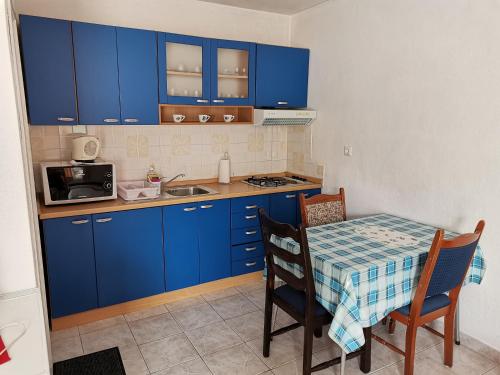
272, 182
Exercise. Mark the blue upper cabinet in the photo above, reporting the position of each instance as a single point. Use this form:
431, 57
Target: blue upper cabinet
232, 66
128, 255
96, 65
214, 240
69, 255
49, 76
138, 76
282, 77
183, 69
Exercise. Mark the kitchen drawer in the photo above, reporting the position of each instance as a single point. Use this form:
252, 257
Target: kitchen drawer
246, 251
245, 219
245, 235
248, 265
249, 204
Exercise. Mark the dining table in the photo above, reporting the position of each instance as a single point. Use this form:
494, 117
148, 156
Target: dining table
366, 268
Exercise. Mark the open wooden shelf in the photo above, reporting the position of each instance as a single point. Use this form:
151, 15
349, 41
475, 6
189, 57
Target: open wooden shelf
184, 74
235, 76
243, 115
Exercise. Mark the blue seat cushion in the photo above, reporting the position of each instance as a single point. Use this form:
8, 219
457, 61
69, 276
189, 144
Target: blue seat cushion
430, 304
297, 299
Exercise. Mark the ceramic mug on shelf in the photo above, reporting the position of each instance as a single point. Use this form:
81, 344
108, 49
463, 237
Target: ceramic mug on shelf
228, 118
204, 118
178, 117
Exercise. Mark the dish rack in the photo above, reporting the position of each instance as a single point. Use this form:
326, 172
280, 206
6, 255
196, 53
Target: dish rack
137, 190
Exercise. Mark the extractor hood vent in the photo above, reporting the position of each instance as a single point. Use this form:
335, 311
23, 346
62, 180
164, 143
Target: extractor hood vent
269, 117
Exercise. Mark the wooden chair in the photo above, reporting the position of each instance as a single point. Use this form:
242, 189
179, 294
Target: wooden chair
444, 272
323, 209
298, 296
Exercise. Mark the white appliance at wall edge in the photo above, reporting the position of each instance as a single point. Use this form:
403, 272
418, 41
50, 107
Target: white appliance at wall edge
273, 117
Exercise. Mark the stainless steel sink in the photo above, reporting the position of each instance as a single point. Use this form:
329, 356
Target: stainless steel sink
187, 191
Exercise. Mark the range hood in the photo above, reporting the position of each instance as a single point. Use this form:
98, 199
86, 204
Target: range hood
284, 116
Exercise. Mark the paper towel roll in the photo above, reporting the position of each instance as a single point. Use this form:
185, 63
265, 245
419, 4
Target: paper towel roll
224, 171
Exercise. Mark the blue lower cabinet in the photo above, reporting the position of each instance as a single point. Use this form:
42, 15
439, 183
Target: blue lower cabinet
248, 265
248, 250
182, 258
214, 240
129, 255
283, 207
245, 235
249, 205
308, 194
69, 255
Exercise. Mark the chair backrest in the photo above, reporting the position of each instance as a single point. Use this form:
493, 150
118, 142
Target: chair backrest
446, 266
323, 209
303, 283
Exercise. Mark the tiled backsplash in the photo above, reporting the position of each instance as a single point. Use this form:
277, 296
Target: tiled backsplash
193, 150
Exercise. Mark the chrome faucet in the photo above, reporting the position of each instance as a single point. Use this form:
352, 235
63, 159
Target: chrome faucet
173, 178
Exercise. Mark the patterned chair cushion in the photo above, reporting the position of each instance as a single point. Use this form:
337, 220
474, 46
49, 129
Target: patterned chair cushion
324, 213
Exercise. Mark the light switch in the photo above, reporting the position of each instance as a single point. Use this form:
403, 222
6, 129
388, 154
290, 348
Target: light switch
347, 150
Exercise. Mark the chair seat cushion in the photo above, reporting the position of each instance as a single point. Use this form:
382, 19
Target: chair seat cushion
297, 299
430, 304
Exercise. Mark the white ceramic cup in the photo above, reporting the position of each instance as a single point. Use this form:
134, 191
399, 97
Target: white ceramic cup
204, 118
196, 93
178, 117
228, 118
180, 67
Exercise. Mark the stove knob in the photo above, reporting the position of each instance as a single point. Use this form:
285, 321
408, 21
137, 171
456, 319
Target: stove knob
109, 175
107, 185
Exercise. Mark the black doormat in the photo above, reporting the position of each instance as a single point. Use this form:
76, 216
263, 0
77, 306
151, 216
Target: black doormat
105, 362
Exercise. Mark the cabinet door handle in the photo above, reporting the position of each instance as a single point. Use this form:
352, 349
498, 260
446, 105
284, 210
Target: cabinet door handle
306, 195
78, 222
250, 217
282, 103
201, 101
65, 119
250, 248
104, 220
290, 196
250, 207
218, 100
131, 120
250, 264
207, 206
188, 209
110, 120
250, 232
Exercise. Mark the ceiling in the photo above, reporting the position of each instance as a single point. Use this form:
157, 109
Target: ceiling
274, 6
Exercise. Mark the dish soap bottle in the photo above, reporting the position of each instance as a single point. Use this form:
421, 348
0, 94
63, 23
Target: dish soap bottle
225, 169
153, 179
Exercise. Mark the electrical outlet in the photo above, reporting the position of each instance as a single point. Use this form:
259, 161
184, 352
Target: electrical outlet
347, 150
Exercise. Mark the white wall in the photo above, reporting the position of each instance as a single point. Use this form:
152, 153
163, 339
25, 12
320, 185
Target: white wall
414, 87
17, 270
177, 16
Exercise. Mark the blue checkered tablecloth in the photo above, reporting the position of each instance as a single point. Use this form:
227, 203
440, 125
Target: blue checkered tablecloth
366, 268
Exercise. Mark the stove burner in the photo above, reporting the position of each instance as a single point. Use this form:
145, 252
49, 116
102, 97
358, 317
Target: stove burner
269, 181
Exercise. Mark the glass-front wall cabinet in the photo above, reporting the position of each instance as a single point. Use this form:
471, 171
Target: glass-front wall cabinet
233, 69
184, 69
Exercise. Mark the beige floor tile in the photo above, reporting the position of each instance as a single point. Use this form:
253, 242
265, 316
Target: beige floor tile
236, 360
132, 360
118, 335
66, 348
154, 328
258, 297
194, 367
100, 324
185, 303
196, 316
218, 294
233, 306
495, 371
283, 349
168, 352
145, 313
249, 326
214, 337
64, 333
318, 343
248, 287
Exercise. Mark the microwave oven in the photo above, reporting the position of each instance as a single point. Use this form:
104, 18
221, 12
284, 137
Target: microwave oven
70, 182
